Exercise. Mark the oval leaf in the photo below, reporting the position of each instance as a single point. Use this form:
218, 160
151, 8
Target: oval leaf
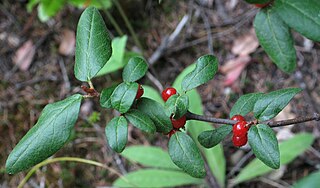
149, 156
135, 69
140, 120
49, 134
177, 105
269, 105
156, 178
264, 144
211, 138
302, 16
289, 150
123, 96
276, 39
117, 133
206, 68
93, 45
186, 155
245, 104
106, 93
156, 113
214, 156
310, 181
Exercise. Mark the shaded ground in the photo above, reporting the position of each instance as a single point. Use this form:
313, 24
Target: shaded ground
50, 78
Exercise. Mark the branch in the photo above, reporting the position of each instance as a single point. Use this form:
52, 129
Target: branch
314, 117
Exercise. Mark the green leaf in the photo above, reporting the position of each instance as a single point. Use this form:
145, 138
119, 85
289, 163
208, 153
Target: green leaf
140, 120
123, 96
105, 100
47, 136
289, 150
156, 113
302, 16
117, 133
245, 104
206, 68
48, 8
93, 45
116, 60
177, 105
149, 156
310, 181
257, 1
151, 93
270, 104
214, 156
276, 39
135, 69
211, 138
31, 4
264, 145
186, 155
156, 178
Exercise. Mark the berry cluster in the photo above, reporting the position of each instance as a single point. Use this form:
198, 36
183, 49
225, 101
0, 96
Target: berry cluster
239, 130
176, 123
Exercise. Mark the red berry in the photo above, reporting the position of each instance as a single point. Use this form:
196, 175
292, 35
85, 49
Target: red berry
240, 128
167, 93
178, 123
139, 92
171, 132
238, 118
239, 141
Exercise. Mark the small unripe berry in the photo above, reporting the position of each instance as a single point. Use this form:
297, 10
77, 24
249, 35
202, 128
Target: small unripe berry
178, 123
167, 93
238, 118
239, 141
240, 128
139, 92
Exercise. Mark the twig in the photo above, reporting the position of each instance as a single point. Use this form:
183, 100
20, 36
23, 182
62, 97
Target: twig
239, 164
314, 117
167, 41
210, 177
155, 81
207, 27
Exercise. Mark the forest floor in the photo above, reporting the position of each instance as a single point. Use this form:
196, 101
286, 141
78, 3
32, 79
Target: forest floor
221, 27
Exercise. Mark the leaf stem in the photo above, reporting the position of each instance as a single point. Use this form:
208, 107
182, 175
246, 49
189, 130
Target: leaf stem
314, 117
73, 159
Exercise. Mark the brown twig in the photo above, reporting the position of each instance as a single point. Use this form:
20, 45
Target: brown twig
314, 117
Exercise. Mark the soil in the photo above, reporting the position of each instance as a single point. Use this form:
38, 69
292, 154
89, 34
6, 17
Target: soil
49, 78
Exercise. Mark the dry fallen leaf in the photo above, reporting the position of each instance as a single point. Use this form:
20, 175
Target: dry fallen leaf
246, 44
24, 55
233, 69
67, 43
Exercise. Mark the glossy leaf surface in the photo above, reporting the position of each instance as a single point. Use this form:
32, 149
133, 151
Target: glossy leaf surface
264, 145
140, 120
93, 45
186, 155
135, 69
206, 68
123, 96
276, 39
213, 137
117, 133
156, 112
269, 105
47, 136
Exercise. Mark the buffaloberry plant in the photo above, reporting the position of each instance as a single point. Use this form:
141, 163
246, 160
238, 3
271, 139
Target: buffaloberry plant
93, 49
275, 21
